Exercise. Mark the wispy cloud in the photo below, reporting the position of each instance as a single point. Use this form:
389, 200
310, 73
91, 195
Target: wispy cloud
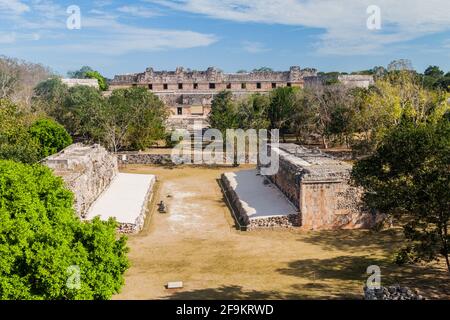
102, 31
13, 6
254, 47
139, 11
343, 22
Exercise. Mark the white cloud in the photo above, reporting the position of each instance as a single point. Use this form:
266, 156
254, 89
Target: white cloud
101, 32
7, 38
138, 11
254, 47
13, 6
343, 22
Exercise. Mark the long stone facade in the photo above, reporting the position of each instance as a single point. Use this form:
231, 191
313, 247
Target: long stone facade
188, 94
86, 170
319, 187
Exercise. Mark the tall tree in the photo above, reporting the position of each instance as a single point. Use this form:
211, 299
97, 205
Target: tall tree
281, 108
16, 143
132, 118
408, 177
223, 113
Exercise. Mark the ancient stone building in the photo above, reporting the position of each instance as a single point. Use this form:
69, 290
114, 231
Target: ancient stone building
318, 185
81, 82
188, 93
99, 189
314, 184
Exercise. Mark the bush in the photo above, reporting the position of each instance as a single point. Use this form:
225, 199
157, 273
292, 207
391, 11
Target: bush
16, 142
51, 136
42, 241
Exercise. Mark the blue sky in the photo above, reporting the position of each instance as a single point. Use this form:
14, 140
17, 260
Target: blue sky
127, 36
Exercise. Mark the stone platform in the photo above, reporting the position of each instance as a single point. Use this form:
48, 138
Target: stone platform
256, 201
126, 199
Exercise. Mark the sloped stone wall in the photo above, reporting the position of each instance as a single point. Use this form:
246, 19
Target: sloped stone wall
86, 170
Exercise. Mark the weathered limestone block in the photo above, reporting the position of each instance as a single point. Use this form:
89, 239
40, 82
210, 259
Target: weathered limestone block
86, 170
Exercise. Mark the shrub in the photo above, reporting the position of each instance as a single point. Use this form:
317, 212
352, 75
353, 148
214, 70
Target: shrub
51, 136
42, 241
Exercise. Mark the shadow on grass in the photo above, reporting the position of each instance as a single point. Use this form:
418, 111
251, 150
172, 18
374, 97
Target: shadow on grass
338, 268
345, 240
431, 280
232, 292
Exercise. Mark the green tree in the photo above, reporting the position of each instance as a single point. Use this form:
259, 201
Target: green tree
408, 177
102, 83
49, 96
87, 72
263, 69
16, 143
132, 118
79, 74
42, 241
281, 108
434, 71
252, 112
51, 136
223, 113
81, 111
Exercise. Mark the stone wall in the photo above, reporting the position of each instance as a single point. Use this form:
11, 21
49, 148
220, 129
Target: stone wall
86, 170
356, 80
244, 222
81, 82
189, 93
318, 185
182, 79
144, 159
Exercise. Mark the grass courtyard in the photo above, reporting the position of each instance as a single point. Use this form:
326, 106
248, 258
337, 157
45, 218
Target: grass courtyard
196, 242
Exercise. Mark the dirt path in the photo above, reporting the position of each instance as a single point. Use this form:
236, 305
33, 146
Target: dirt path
195, 242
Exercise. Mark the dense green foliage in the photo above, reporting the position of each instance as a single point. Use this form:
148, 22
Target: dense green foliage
51, 136
128, 119
16, 143
103, 85
223, 113
41, 239
409, 177
133, 119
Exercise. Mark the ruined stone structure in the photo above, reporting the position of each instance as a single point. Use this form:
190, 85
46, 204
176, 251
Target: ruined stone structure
86, 170
188, 94
356, 80
318, 185
92, 174
81, 82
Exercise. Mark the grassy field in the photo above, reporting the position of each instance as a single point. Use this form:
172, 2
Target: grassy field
196, 242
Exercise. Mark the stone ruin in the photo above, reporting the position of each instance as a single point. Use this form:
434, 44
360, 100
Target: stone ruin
394, 292
356, 80
188, 93
81, 82
86, 170
315, 184
319, 187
